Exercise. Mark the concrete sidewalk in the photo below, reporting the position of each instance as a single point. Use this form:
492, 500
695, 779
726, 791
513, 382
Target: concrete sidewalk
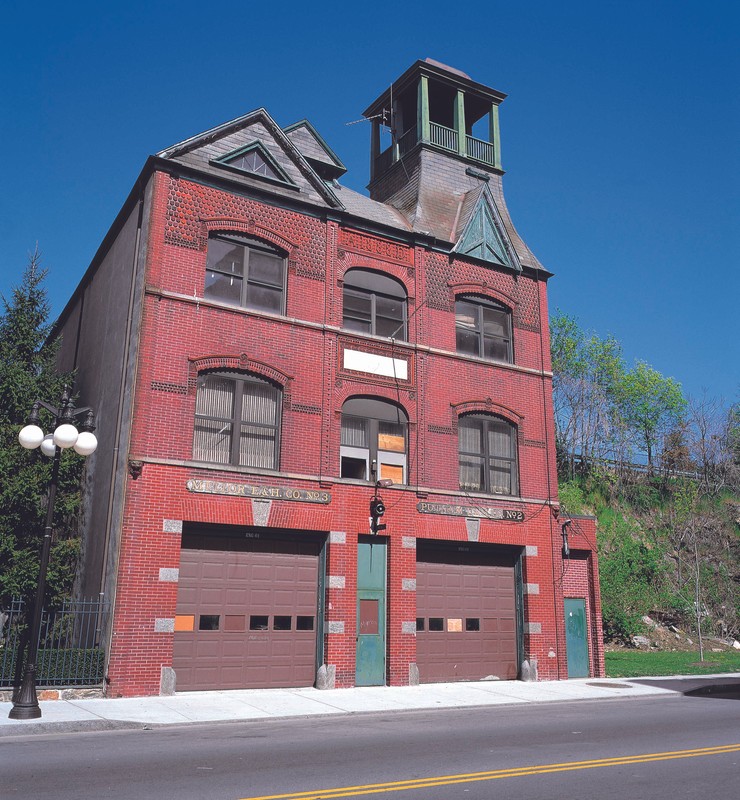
258, 704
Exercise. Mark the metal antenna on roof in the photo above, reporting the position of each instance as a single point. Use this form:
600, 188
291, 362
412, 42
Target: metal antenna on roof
384, 114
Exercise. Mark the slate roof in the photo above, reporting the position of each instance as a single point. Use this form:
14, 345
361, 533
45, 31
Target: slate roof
362, 206
316, 151
433, 193
203, 151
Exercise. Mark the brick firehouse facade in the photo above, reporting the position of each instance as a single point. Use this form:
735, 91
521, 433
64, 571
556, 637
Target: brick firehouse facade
275, 360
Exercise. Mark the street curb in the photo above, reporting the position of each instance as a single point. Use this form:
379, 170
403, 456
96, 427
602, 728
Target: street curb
85, 726
66, 726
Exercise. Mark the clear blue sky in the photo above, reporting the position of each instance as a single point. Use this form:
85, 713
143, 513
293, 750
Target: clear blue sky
621, 135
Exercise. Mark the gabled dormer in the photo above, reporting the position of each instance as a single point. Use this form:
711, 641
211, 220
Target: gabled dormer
325, 162
253, 151
484, 235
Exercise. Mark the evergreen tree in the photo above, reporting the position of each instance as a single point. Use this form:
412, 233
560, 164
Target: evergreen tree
27, 374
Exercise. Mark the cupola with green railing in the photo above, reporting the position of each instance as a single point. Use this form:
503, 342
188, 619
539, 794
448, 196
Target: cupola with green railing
436, 107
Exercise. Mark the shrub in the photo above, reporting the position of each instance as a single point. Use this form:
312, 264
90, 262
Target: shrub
70, 667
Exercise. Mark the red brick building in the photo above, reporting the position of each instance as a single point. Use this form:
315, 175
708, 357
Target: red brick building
274, 357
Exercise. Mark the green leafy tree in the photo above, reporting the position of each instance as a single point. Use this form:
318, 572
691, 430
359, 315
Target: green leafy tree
586, 373
27, 374
651, 405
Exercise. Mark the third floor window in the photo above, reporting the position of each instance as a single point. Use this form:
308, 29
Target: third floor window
244, 272
374, 303
483, 329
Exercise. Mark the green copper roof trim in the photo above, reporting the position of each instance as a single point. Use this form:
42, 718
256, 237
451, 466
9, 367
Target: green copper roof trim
485, 237
422, 110
281, 176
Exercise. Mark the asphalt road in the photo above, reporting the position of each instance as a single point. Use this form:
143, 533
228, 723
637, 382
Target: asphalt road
662, 747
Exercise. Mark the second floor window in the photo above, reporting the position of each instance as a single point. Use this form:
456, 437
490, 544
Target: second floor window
244, 272
374, 303
488, 455
237, 421
373, 444
483, 329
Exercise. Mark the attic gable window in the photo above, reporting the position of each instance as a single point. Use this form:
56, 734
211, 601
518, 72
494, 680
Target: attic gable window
254, 160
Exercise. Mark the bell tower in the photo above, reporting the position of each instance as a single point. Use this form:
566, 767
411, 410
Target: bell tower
434, 108
436, 157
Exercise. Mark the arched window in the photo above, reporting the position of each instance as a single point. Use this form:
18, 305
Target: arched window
488, 455
237, 420
245, 272
483, 328
374, 440
374, 303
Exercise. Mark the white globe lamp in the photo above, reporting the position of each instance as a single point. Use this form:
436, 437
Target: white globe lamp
85, 444
31, 437
48, 448
65, 436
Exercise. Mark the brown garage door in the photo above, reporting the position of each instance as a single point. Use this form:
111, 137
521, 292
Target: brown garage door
466, 613
246, 612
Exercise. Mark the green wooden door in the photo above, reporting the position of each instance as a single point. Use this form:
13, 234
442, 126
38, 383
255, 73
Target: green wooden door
576, 638
371, 572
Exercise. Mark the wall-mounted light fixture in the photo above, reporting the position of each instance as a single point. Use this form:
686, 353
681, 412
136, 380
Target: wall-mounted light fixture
564, 533
377, 506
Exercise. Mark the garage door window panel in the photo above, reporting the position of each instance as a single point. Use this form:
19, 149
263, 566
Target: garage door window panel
208, 622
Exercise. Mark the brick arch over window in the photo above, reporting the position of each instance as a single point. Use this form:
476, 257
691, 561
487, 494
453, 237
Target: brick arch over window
481, 289
251, 228
239, 363
391, 394
487, 406
400, 273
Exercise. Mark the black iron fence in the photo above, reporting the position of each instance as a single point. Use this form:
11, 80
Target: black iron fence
70, 648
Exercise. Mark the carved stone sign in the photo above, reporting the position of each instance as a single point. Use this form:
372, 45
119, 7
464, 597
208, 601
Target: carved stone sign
262, 492
484, 512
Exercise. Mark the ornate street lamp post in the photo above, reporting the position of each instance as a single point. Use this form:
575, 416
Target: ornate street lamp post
25, 700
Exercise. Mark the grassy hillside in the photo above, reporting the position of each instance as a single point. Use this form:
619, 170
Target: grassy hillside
667, 550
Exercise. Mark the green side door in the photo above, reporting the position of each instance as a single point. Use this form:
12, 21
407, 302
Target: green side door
576, 638
371, 582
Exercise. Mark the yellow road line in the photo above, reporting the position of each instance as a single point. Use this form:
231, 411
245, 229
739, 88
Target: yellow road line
514, 772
